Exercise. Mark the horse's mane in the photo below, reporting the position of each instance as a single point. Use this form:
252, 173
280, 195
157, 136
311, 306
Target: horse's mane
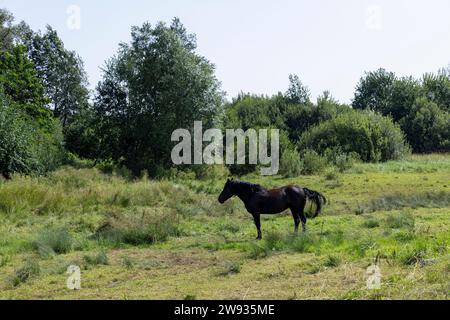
247, 185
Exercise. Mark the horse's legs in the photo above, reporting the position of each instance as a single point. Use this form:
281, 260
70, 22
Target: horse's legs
299, 214
296, 217
257, 220
303, 218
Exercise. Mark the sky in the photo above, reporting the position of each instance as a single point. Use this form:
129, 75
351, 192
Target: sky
256, 44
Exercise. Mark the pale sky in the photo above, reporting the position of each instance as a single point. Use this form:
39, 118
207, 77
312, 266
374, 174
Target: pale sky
256, 44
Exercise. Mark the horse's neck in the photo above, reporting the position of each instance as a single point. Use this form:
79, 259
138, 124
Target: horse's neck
244, 193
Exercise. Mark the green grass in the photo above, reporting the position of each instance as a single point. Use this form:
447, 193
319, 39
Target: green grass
172, 239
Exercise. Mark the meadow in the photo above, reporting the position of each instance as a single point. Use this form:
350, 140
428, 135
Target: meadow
171, 239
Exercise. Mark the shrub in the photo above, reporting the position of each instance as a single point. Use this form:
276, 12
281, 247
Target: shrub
369, 135
312, 162
427, 127
53, 241
290, 163
24, 147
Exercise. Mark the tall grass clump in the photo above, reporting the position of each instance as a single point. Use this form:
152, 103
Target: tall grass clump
139, 229
100, 258
395, 201
402, 220
29, 269
53, 241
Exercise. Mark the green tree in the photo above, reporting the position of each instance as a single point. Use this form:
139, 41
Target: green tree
300, 117
297, 93
154, 85
10, 33
404, 93
21, 85
62, 74
427, 127
373, 91
436, 87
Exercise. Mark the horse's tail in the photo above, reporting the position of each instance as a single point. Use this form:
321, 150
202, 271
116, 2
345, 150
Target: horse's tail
317, 198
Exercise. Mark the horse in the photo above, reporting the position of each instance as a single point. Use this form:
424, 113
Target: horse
259, 200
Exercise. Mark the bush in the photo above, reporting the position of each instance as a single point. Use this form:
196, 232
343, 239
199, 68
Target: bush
369, 135
312, 162
24, 147
290, 164
427, 127
53, 241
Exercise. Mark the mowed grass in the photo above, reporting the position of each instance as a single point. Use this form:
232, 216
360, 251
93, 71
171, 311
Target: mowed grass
172, 239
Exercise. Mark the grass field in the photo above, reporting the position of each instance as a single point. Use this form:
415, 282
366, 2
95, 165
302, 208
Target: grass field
172, 239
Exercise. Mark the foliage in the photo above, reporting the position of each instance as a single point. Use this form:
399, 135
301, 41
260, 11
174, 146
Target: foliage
373, 91
312, 162
421, 107
10, 33
137, 230
371, 136
297, 93
427, 127
154, 85
53, 241
290, 163
62, 74
29, 269
22, 87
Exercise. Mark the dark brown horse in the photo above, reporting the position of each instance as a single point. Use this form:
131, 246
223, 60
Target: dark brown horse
258, 200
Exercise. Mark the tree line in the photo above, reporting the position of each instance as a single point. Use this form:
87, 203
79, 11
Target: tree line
157, 83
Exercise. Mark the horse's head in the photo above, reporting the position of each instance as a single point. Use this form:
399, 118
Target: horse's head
227, 192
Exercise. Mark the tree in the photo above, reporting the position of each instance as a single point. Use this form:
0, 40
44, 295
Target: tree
427, 127
297, 93
154, 85
373, 91
11, 34
300, 117
404, 93
21, 85
436, 87
62, 73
